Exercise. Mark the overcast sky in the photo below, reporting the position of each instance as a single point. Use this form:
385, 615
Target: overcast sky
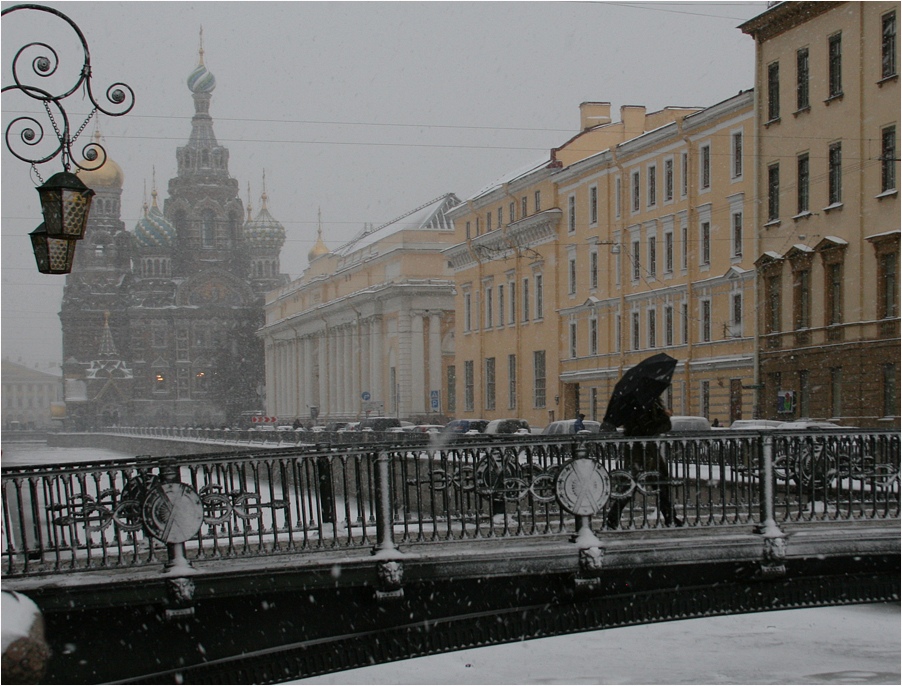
361, 110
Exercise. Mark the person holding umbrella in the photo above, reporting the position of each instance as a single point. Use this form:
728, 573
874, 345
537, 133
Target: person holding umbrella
636, 405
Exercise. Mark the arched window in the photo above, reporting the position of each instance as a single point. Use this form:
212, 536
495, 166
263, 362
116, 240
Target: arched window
208, 224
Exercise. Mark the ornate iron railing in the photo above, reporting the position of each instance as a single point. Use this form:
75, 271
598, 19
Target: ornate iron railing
419, 490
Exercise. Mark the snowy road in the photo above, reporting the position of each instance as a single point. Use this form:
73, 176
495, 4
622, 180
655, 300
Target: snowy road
857, 644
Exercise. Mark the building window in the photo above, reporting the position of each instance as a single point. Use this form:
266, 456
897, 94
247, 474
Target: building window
836, 391
538, 200
617, 192
593, 205
705, 179
511, 382
468, 386
802, 78
835, 174
652, 329
737, 315
523, 208
706, 243
501, 305
773, 192
684, 322
512, 212
573, 334
684, 246
889, 297
668, 325
593, 336
593, 269
571, 276
888, 48
636, 260
159, 382
890, 405
635, 330
500, 217
888, 159
208, 228
489, 307
803, 182
684, 174
478, 231
773, 91
706, 320
468, 312
652, 256
668, 180
618, 332
736, 152
668, 252
158, 337
571, 214
634, 180
490, 383
488, 221
452, 388
773, 321
540, 296
513, 303
538, 359
652, 186
525, 300
737, 234
468, 230
835, 59
803, 299
834, 293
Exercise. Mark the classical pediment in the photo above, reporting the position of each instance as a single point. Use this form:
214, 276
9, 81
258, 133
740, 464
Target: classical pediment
214, 287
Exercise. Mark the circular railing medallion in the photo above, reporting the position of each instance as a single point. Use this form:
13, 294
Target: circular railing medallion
583, 487
173, 512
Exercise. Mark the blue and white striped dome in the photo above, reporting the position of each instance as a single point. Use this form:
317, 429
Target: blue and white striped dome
201, 80
153, 230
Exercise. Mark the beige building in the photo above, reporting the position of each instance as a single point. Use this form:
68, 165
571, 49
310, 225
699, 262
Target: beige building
629, 239
827, 75
30, 397
368, 329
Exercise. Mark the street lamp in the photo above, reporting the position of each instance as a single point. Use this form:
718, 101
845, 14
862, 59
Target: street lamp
65, 200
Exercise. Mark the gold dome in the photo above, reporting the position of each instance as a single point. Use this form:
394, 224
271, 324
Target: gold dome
110, 175
319, 248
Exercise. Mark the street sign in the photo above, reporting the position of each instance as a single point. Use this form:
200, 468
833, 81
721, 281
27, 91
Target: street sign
435, 400
365, 396
264, 420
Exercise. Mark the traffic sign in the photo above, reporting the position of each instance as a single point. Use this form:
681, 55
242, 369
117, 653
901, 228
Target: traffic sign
264, 420
365, 396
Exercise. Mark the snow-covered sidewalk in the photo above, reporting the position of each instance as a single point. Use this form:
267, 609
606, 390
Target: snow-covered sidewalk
856, 644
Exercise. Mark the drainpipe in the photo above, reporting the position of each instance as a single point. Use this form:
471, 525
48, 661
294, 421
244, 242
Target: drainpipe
690, 206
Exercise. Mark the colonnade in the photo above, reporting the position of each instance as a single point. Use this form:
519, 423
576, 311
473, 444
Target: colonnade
332, 367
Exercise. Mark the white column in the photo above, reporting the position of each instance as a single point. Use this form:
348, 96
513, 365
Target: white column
403, 366
356, 349
366, 347
435, 356
417, 364
323, 361
377, 368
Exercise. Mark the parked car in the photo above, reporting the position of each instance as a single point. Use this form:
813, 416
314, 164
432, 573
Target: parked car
507, 426
380, 423
680, 423
805, 424
466, 426
753, 424
428, 428
565, 426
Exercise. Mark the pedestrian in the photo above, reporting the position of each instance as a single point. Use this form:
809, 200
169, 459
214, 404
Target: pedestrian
578, 425
644, 457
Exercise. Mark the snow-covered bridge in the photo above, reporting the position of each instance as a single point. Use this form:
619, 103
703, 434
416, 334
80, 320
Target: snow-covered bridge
275, 563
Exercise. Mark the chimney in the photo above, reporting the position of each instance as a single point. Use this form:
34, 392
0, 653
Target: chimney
594, 114
633, 118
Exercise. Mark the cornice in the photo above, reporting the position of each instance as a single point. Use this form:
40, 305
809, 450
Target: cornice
783, 17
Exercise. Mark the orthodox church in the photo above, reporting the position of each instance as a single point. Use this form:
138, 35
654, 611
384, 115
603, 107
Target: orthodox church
159, 322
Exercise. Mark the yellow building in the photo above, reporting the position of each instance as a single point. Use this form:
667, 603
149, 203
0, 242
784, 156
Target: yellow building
594, 257
368, 328
30, 397
827, 75
656, 255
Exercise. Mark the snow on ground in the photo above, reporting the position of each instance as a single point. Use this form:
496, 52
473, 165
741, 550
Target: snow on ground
855, 644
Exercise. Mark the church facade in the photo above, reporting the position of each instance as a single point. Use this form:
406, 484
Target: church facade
159, 322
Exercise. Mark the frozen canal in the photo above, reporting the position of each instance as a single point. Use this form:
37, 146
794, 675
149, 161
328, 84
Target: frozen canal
856, 644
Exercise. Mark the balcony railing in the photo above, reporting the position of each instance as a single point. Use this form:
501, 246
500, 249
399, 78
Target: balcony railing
415, 490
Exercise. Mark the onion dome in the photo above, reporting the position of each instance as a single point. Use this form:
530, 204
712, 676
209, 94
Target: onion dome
319, 248
153, 230
201, 80
264, 231
110, 175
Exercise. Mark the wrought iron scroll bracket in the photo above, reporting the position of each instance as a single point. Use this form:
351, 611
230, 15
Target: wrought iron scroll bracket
37, 70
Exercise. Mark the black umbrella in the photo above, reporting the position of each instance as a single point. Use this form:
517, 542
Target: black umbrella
639, 387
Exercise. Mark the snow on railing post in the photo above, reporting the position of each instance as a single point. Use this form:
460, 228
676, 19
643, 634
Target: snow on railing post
774, 556
390, 571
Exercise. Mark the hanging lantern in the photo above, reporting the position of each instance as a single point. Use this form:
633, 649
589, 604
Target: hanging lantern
53, 255
65, 203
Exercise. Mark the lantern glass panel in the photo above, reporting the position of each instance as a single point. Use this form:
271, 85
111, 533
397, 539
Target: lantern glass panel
53, 255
